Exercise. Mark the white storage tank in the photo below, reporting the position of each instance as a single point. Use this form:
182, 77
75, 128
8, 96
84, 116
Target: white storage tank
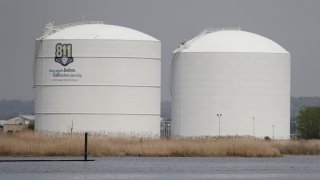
91, 76
231, 82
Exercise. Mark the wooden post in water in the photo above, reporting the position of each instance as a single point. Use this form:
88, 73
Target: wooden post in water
85, 146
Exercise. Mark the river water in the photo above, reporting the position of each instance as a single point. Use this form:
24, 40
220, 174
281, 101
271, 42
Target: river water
136, 168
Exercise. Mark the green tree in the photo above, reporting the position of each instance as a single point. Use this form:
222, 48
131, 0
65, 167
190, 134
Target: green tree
308, 124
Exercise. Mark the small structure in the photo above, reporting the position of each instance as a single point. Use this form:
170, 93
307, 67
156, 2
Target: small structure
165, 129
1, 124
18, 123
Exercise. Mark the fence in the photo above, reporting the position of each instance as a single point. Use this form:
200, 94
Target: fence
165, 129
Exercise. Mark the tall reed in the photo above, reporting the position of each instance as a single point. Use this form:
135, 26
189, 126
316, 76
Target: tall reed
40, 144
298, 147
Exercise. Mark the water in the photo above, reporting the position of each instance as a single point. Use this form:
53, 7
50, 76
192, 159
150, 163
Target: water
135, 168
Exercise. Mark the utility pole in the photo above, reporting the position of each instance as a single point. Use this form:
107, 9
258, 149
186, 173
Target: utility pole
85, 146
273, 132
295, 124
219, 116
253, 125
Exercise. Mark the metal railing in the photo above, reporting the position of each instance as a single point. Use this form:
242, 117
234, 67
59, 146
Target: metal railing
50, 28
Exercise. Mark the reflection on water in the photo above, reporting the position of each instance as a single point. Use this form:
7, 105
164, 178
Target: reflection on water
289, 167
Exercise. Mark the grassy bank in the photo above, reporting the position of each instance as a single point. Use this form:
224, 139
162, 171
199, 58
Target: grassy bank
39, 144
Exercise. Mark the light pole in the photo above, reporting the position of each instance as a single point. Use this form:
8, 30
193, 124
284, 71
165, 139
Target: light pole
295, 124
273, 132
253, 125
219, 116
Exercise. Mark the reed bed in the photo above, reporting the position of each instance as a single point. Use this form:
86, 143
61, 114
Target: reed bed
298, 147
41, 144
192, 147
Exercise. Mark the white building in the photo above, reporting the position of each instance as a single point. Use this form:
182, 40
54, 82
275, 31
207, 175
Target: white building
18, 123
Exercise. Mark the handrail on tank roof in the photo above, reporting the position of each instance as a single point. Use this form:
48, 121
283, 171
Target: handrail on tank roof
50, 28
185, 44
209, 30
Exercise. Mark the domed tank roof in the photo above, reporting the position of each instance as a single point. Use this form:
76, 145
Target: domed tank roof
231, 41
94, 31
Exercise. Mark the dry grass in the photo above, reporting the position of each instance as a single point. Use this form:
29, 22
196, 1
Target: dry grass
298, 147
232, 146
40, 144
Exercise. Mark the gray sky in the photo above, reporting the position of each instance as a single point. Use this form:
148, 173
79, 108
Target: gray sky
294, 24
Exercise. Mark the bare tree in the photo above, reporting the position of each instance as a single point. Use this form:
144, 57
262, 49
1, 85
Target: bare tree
70, 126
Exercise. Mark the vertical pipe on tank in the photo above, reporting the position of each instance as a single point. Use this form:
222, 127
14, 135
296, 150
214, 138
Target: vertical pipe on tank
41, 87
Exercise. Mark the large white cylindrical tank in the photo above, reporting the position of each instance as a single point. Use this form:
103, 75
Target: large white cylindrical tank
97, 77
231, 82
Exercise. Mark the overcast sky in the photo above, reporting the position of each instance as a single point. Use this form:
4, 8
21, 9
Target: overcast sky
294, 24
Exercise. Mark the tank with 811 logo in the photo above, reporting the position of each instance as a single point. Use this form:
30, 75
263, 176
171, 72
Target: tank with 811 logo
63, 54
